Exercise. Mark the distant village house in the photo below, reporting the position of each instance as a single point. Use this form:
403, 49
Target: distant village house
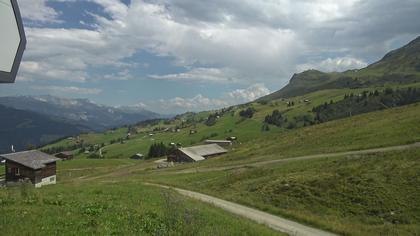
222, 143
65, 155
37, 167
232, 138
137, 156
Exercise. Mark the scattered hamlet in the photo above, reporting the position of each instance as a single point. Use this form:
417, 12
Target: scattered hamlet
34, 166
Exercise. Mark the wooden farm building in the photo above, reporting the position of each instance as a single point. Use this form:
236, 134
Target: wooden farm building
65, 155
222, 143
196, 153
35, 166
137, 156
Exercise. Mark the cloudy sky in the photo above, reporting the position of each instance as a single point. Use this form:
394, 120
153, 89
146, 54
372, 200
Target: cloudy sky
176, 55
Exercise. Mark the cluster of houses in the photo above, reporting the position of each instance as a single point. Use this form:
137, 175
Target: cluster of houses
40, 169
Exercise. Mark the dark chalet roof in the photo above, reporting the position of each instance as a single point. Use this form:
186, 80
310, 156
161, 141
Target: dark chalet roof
66, 153
32, 159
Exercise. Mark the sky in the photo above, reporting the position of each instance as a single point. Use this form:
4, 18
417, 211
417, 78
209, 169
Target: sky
172, 56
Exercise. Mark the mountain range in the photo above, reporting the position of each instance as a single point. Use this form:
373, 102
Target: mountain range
37, 120
79, 111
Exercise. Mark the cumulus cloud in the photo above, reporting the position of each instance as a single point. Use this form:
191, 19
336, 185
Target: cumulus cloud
339, 64
179, 104
201, 74
38, 11
60, 91
249, 51
249, 94
239, 41
200, 102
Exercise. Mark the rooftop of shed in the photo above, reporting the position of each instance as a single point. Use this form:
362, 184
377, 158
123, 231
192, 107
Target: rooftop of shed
217, 141
33, 159
199, 152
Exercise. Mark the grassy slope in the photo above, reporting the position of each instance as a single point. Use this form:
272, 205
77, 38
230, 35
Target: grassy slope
263, 187
79, 206
378, 129
230, 124
359, 195
347, 193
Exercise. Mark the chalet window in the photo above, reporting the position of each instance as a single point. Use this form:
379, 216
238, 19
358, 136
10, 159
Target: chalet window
9, 170
52, 179
17, 171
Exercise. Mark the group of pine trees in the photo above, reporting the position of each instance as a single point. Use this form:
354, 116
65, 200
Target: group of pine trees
367, 101
160, 150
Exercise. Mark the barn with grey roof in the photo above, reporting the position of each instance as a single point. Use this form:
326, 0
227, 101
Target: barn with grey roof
37, 167
196, 153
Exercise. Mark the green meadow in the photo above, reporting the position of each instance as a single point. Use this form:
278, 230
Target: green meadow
229, 124
375, 194
369, 194
83, 206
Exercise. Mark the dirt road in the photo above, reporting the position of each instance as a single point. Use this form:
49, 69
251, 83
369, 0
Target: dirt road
272, 221
308, 157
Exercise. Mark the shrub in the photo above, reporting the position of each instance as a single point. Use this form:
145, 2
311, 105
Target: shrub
276, 118
211, 120
247, 113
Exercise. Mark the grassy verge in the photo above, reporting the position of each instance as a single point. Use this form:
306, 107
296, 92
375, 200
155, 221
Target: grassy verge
114, 209
374, 194
81, 168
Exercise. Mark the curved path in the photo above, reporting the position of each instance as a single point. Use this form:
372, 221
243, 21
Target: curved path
300, 158
272, 221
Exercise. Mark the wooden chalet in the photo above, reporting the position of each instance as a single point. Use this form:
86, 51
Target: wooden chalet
196, 153
65, 155
37, 167
137, 156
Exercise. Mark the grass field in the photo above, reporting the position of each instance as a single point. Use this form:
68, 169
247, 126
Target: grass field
229, 124
90, 207
374, 194
378, 129
80, 168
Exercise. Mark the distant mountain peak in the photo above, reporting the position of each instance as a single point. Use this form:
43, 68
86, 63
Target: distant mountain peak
398, 66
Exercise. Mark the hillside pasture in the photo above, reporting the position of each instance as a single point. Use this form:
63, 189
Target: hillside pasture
113, 209
373, 194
